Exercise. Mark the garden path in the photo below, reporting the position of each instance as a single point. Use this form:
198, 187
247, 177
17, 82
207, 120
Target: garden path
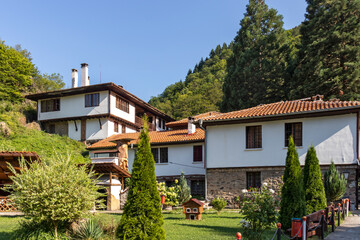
349, 229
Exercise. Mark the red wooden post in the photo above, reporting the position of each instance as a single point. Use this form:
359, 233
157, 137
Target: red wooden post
304, 235
238, 235
339, 206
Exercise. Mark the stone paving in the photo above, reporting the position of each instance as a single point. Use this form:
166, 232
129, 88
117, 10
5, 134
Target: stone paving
349, 229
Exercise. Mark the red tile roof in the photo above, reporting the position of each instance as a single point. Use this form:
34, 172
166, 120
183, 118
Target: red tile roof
195, 201
284, 108
183, 122
16, 154
156, 137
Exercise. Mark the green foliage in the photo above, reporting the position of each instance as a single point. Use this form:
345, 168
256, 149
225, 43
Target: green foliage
218, 204
55, 191
142, 218
259, 210
292, 193
313, 185
201, 92
257, 68
170, 193
184, 190
23, 138
89, 230
335, 184
329, 57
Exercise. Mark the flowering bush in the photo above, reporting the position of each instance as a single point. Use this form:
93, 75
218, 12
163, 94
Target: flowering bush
170, 193
258, 207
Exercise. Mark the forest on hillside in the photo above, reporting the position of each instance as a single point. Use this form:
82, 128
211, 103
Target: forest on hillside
266, 63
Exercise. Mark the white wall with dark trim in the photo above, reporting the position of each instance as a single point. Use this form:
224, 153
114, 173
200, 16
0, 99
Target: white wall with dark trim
334, 138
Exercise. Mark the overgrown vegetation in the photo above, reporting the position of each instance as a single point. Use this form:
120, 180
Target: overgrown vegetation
335, 184
170, 193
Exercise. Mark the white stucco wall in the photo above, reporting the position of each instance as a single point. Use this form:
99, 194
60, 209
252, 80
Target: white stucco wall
181, 156
334, 138
93, 130
119, 113
72, 133
74, 106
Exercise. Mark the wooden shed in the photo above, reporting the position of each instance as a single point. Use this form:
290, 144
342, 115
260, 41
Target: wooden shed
193, 209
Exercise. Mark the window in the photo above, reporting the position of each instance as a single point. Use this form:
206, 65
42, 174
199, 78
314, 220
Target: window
123, 128
253, 137
198, 187
197, 154
92, 100
122, 104
195, 210
50, 105
159, 123
253, 179
295, 130
163, 155
188, 210
155, 153
116, 127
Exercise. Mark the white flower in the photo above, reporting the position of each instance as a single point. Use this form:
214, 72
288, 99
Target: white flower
244, 191
264, 184
272, 191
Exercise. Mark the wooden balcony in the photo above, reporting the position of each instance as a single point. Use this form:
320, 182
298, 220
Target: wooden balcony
138, 122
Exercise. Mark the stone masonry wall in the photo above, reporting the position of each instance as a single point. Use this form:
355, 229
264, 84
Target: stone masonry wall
228, 182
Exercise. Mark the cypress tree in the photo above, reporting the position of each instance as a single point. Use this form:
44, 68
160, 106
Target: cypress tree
335, 184
142, 218
329, 56
292, 193
184, 189
257, 68
314, 188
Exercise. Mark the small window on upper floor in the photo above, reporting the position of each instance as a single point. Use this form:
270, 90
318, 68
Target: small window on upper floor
197, 154
116, 127
253, 137
295, 130
122, 104
92, 100
50, 105
163, 155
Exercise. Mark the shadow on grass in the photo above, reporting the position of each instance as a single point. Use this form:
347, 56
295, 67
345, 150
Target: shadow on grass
5, 235
219, 229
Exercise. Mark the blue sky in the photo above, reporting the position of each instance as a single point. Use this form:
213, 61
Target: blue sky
141, 45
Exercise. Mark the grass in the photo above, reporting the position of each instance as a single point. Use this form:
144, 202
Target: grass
212, 226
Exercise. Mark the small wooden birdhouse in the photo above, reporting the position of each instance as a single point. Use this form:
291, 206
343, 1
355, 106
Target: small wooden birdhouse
193, 209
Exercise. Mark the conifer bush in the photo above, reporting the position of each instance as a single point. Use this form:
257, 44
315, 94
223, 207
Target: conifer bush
184, 189
335, 184
313, 184
142, 217
292, 193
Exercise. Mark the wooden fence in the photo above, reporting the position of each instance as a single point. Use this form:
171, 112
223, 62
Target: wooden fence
7, 205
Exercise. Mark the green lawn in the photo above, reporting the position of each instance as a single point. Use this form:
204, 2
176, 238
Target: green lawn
213, 226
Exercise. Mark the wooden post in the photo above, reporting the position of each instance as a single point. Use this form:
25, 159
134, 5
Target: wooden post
304, 230
322, 222
332, 219
278, 232
343, 208
109, 195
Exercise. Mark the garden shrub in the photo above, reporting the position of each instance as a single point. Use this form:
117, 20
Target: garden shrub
313, 184
89, 230
56, 191
170, 193
258, 207
218, 204
292, 193
183, 190
142, 217
335, 184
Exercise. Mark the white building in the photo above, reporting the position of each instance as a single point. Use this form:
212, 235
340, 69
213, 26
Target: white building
248, 147
94, 112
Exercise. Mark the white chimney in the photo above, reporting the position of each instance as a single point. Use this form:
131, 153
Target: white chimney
85, 74
75, 78
191, 126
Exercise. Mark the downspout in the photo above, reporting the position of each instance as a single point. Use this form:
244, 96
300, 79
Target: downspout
205, 157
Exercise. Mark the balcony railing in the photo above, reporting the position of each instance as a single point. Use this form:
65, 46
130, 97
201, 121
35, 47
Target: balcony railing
139, 122
106, 160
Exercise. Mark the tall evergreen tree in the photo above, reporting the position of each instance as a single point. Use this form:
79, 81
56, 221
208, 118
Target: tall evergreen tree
335, 184
142, 218
292, 193
257, 68
184, 189
313, 184
329, 57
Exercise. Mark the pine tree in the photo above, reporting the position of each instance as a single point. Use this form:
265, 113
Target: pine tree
184, 189
257, 68
292, 193
313, 184
335, 184
329, 57
142, 218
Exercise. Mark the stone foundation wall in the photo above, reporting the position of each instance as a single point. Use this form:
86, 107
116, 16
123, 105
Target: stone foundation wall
228, 182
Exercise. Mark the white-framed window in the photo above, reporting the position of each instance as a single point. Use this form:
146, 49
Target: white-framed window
188, 210
195, 210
